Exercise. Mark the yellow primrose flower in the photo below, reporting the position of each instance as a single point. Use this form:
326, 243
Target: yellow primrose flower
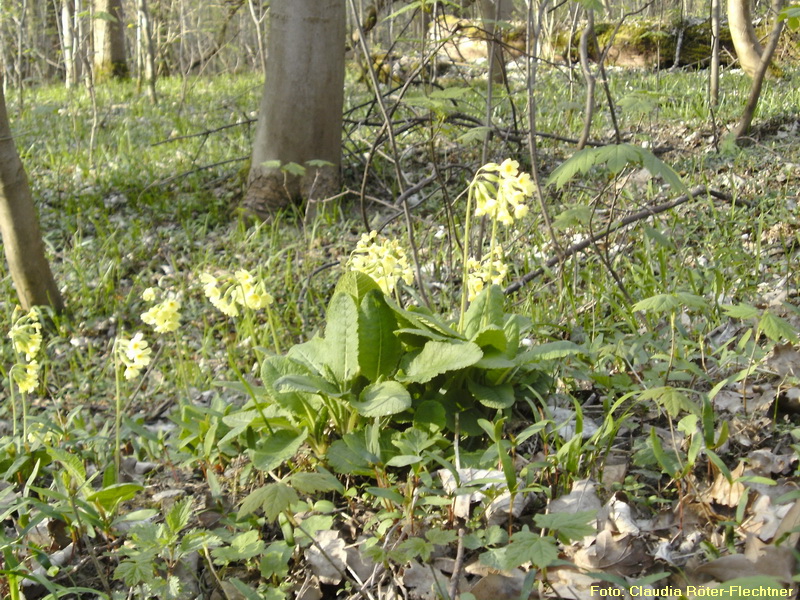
149, 294
26, 376
134, 353
489, 270
502, 197
242, 288
386, 262
26, 334
165, 316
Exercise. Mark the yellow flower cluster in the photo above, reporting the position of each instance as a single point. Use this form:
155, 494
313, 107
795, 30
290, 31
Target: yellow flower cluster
26, 336
134, 353
241, 288
501, 191
26, 333
164, 316
386, 263
489, 270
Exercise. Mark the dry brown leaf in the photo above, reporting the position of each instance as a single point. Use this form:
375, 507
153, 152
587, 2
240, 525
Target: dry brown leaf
499, 587
583, 497
424, 582
328, 557
784, 360
619, 554
723, 491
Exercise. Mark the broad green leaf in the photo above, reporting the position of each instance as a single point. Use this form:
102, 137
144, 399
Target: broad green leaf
357, 284
614, 157
378, 347
573, 526
551, 351
110, 496
441, 537
341, 338
497, 397
673, 400
199, 539
660, 303
294, 169
440, 357
72, 463
312, 384
311, 483
429, 416
493, 337
776, 328
275, 560
526, 546
474, 134
383, 399
740, 311
276, 448
485, 309
668, 461
243, 546
349, 455
310, 353
273, 499
412, 548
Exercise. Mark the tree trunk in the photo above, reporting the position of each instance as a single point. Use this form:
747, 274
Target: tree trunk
109, 40
492, 12
743, 127
19, 227
300, 118
743, 35
714, 72
146, 50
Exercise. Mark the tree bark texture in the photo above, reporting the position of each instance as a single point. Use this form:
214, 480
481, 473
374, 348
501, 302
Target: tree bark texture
109, 40
19, 226
300, 118
743, 35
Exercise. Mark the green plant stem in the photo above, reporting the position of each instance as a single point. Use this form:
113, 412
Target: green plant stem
117, 415
465, 259
273, 331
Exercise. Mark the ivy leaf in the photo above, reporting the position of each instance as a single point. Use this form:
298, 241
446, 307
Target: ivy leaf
378, 347
341, 338
383, 399
440, 357
273, 499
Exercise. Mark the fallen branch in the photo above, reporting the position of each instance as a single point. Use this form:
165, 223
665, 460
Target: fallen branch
638, 216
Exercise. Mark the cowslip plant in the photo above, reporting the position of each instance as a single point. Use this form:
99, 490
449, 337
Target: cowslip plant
131, 355
26, 337
229, 293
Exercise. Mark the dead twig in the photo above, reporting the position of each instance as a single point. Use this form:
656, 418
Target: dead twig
638, 216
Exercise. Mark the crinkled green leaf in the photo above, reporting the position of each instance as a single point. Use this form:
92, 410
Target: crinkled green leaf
573, 526
341, 337
383, 399
441, 357
496, 397
311, 483
378, 347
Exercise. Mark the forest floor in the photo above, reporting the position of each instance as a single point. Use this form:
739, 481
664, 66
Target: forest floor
628, 419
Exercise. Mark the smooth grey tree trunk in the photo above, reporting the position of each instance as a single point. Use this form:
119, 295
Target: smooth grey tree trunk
146, 50
743, 36
300, 119
19, 226
492, 12
109, 40
714, 72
